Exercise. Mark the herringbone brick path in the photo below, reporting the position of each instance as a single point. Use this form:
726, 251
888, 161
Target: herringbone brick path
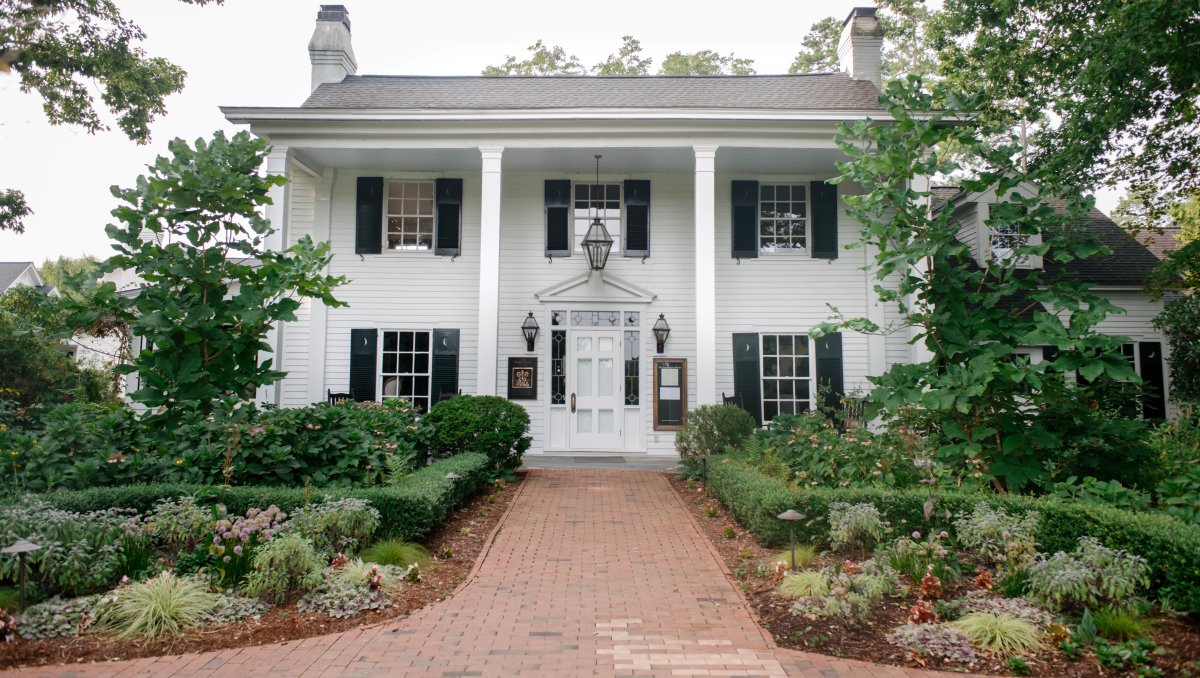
592, 573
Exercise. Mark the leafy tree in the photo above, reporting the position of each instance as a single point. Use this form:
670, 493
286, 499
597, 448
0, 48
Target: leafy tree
212, 290
67, 273
627, 61
34, 362
705, 62
818, 48
985, 408
543, 60
1180, 322
62, 48
1120, 78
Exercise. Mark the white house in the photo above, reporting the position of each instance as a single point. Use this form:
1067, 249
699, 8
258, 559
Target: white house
13, 273
458, 207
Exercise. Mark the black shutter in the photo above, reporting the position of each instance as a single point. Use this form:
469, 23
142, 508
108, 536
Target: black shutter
637, 218
1154, 401
745, 219
747, 384
445, 366
829, 368
368, 217
448, 227
823, 210
558, 218
362, 363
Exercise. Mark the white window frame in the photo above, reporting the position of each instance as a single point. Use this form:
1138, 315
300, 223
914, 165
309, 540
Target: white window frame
805, 218
381, 375
403, 214
992, 235
614, 224
762, 372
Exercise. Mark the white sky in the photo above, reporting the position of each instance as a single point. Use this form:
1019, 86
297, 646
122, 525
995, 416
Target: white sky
254, 52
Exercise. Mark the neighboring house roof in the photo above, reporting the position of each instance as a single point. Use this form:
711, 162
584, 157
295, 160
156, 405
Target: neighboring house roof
822, 91
11, 273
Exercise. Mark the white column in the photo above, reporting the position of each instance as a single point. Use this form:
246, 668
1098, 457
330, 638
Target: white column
876, 343
277, 211
318, 318
489, 272
918, 352
706, 276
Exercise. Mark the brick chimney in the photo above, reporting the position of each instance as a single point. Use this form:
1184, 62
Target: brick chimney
329, 49
861, 48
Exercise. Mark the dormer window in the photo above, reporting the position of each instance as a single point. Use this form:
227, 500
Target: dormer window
1005, 239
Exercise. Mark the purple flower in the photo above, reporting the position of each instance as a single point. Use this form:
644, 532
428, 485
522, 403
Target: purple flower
916, 535
237, 550
216, 539
226, 559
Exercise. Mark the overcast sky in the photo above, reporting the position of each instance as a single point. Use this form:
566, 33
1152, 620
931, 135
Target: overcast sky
254, 52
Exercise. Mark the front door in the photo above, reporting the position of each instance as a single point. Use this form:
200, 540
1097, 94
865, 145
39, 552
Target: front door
596, 401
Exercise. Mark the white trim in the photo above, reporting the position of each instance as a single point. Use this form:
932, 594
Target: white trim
319, 313
552, 294
247, 114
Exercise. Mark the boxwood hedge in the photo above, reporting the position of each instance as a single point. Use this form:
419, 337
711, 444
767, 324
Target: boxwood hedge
410, 509
1171, 546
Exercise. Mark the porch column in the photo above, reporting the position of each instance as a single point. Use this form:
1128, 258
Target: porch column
918, 351
706, 276
279, 164
489, 271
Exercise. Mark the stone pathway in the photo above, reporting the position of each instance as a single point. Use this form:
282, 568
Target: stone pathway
592, 573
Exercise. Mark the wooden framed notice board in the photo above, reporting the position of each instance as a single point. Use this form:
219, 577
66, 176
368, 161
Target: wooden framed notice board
670, 393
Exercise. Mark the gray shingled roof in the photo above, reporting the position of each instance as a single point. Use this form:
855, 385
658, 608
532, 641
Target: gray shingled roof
819, 92
10, 271
1129, 262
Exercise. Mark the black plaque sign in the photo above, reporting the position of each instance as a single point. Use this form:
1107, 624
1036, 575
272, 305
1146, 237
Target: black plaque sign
670, 393
522, 377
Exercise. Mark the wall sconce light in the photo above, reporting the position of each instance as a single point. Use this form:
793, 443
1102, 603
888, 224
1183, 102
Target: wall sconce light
661, 331
530, 329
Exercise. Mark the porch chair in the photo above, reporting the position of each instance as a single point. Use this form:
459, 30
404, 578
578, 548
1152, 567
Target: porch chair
335, 398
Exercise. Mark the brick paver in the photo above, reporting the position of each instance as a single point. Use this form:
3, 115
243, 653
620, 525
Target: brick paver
591, 573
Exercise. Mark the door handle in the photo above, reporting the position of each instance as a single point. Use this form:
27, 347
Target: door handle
572, 403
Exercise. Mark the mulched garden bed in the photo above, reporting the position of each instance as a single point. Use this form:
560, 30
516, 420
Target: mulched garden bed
465, 533
1179, 639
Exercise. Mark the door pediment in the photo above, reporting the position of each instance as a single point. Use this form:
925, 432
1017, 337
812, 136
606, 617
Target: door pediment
595, 287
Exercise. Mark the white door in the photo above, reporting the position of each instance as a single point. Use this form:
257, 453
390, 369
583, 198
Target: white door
595, 401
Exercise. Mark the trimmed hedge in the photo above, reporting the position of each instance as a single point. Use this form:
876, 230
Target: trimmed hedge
409, 510
1171, 546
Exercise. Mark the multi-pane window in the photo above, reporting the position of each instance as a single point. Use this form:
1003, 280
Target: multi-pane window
786, 374
1004, 239
405, 367
598, 199
409, 215
783, 218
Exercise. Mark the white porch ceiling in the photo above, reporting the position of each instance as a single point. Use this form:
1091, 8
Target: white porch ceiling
730, 160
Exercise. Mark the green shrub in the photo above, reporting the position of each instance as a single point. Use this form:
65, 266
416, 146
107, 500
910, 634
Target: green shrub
998, 632
397, 552
997, 537
1171, 547
409, 510
1108, 493
850, 597
56, 618
179, 525
913, 556
815, 453
804, 555
285, 565
1179, 496
487, 425
162, 606
711, 430
387, 578
81, 551
854, 526
1091, 576
336, 525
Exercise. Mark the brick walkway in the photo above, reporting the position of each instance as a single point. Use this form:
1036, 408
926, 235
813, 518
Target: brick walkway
592, 573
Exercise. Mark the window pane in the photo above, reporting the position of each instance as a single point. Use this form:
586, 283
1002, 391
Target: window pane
785, 345
785, 367
787, 407
770, 389
389, 363
767, 192
770, 367
426, 190
421, 363
583, 343
770, 345
770, 410
389, 385
583, 421
423, 341
389, 341
583, 372
604, 377
604, 421
406, 341
406, 363
421, 386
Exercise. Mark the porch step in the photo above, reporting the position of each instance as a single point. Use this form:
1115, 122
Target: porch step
600, 461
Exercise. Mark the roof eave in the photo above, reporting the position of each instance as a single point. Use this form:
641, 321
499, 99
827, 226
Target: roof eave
248, 115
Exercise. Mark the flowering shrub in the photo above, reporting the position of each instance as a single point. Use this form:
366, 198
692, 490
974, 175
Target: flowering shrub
817, 454
997, 537
933, 640
231, 547
854, 526
1092, 576
57, 618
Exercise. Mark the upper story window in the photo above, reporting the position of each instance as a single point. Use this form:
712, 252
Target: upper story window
1005, 238
404, 372
409, 215
602, 199
783, 218
787, 383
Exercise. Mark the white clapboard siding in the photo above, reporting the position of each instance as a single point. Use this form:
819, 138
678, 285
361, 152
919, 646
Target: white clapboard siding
788, 293
402, 290
1136, 322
